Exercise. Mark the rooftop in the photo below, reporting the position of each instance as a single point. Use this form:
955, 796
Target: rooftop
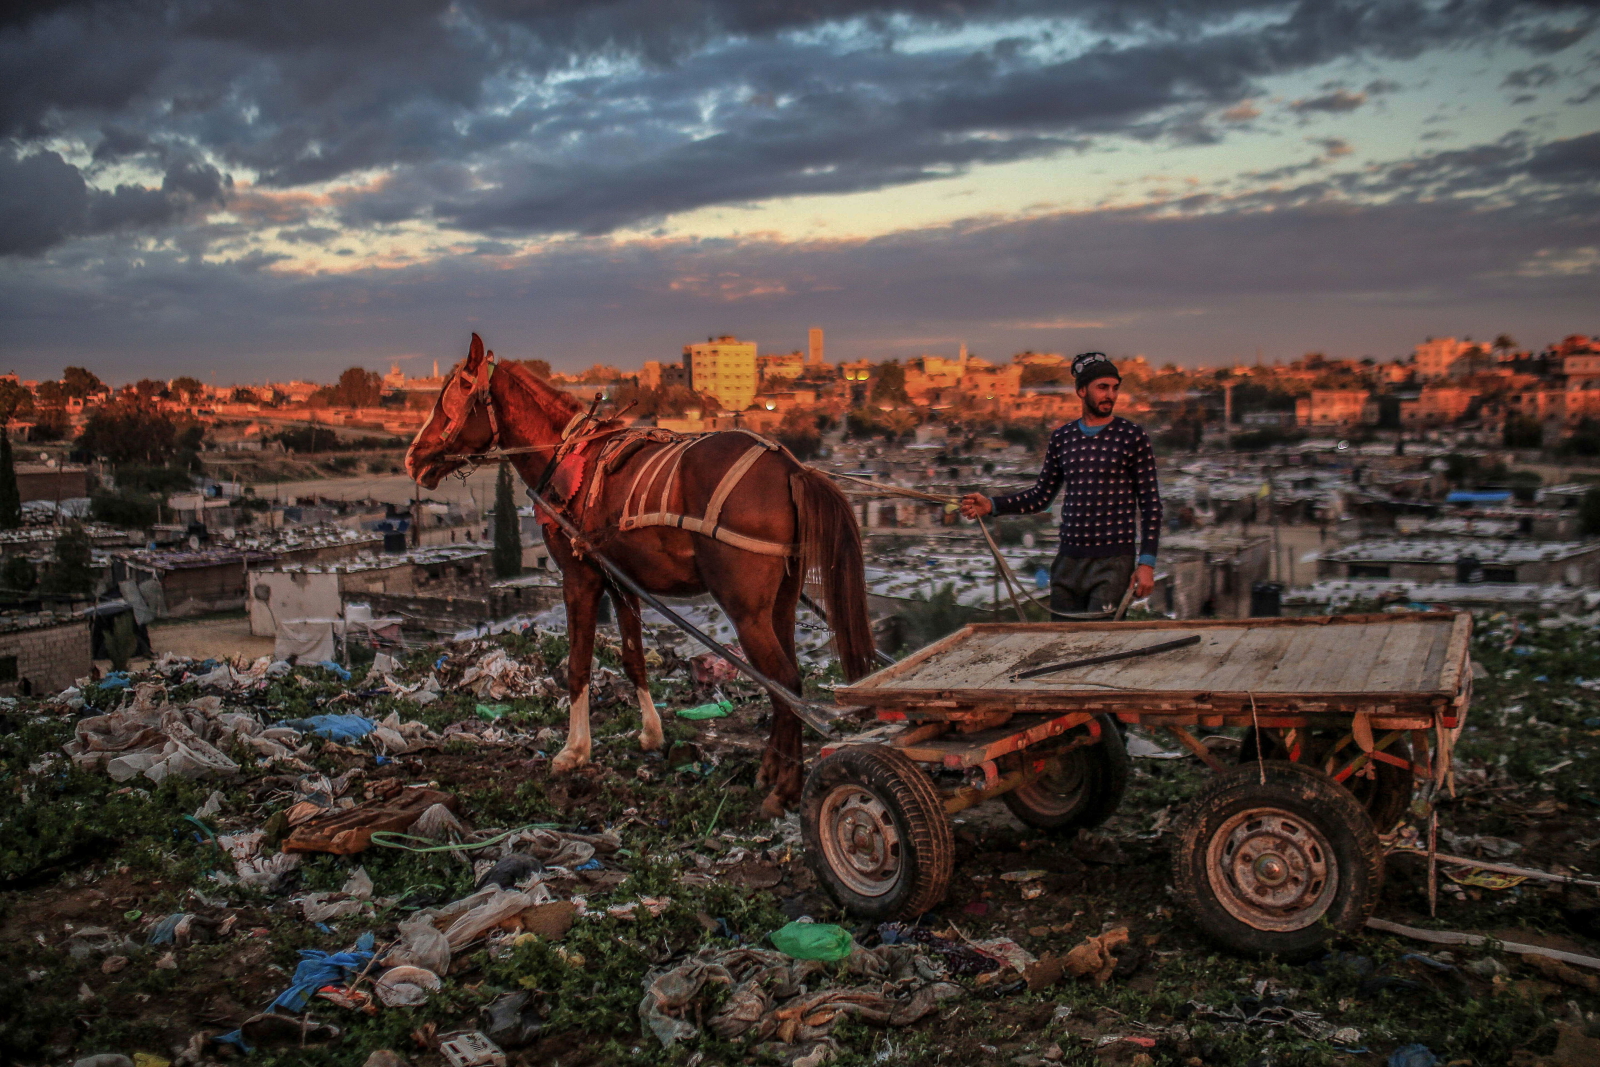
1448, 550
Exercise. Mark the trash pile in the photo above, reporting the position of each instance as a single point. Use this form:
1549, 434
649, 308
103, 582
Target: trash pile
309, 856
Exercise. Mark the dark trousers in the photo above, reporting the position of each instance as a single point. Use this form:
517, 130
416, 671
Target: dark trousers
1079, 585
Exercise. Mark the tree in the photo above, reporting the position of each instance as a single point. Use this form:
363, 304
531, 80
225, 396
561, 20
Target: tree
190, 389
799, 434
507, 527
150, 389
10, 496
889, 383
73, 572
1504, 343
80, 383
357, 388
129, 431
18, 574
14, 400
241, 395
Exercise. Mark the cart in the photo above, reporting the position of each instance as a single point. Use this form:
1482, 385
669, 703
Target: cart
1277, 854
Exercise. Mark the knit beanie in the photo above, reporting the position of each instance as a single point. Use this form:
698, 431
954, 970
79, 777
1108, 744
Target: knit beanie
1092, 365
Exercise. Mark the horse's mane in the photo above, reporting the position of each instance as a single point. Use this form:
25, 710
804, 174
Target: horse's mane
556, 405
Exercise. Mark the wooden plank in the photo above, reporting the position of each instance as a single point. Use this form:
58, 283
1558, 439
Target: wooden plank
1457, 653
1412, 676
913, 661
1246, 668
1358, 665
972, 665
1395, 656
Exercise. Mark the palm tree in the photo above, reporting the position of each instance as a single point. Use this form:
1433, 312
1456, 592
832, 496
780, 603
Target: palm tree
1503, 344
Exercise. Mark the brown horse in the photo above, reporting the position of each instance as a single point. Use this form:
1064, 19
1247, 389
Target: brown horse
772, 521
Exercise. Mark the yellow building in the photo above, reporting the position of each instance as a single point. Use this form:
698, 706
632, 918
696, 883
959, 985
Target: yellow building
723, 367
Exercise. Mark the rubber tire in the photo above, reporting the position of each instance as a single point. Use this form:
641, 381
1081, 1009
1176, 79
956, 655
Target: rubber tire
1386, 795
1105, 767
919, 819
1318, 800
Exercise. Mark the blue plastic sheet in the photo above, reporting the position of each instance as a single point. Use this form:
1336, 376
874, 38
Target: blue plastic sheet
329, 665
318, 968
342, 728
115, 680
1413, 1056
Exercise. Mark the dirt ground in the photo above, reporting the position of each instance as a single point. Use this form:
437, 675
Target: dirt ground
211, 637
78, 850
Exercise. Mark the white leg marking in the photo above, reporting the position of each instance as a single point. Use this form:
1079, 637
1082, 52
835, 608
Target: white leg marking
650, 732
576, 752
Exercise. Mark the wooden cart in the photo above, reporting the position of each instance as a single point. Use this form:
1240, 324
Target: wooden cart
1276, 854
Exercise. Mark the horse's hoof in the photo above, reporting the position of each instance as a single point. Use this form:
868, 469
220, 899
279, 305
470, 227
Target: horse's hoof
568, 760
650, 740
774, 807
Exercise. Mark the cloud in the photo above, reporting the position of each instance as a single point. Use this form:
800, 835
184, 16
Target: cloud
1540, 74
44, 200
585, 118
1243, 111
1576, 159
1289, 270
1333, 147
1339, 100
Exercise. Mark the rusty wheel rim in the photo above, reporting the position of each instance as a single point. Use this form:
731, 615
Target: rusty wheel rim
1059, 790
859, 841
1272, 870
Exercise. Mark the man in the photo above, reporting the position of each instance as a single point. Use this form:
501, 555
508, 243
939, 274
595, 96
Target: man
1112, 501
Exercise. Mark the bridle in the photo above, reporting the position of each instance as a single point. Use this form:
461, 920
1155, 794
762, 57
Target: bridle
464, 394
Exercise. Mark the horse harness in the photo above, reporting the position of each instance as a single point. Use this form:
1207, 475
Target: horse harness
657, 456
648, 501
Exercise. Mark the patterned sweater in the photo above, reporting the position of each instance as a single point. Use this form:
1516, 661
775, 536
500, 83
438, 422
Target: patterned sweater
1111, 497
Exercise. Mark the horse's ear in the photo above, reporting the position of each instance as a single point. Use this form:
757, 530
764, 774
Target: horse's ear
474, 354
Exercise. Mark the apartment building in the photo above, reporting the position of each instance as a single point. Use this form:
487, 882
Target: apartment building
723, 367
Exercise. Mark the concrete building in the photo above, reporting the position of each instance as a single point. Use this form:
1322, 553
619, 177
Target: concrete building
42, 652
786, 367
1331, 409
1435, 357
1437, 405
51, 481
297, 591
1213, 573
723, 367
1572, 563
814, 347
1331, 595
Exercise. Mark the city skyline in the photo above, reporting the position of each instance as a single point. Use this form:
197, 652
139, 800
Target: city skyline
187, 187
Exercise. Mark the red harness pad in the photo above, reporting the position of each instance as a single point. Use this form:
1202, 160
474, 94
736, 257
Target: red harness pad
568, 478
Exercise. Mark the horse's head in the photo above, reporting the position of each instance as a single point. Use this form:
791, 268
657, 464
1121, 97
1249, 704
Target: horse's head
460, 424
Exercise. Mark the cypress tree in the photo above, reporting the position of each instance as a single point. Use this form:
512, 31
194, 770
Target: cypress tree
507, 528
10, 495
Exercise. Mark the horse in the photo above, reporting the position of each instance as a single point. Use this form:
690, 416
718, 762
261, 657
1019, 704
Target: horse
734, 516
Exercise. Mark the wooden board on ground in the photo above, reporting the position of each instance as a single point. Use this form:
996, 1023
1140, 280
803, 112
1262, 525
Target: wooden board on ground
1392, 663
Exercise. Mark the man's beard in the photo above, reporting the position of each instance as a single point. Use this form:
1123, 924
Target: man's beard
1102, 409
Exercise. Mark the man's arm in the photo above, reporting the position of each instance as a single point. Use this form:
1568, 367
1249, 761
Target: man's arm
1147, 490
1036, 497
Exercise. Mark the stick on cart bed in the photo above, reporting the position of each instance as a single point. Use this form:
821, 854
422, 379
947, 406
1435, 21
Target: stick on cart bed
1277, 853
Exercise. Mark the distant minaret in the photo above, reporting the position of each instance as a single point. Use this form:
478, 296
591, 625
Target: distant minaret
963, 357
435, 368
816, 347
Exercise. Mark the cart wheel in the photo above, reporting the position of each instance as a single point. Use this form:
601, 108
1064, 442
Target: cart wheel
1277, 868
1386, 795
1084, 788
876, 833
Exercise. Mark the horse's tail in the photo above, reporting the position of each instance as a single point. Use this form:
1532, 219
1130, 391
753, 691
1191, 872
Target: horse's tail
830, 547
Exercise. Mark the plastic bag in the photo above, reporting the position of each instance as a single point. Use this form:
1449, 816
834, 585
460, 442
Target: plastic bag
813, 941
718, 710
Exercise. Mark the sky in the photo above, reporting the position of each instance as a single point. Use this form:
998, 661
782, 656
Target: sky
250, 192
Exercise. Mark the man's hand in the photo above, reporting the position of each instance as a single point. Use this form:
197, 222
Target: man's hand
976, 505
1144, 580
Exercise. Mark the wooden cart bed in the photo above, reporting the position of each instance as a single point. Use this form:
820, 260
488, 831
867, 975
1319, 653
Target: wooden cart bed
1387, 665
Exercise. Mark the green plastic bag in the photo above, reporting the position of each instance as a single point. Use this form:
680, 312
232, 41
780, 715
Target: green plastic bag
491, 712
813, 941
707, 711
